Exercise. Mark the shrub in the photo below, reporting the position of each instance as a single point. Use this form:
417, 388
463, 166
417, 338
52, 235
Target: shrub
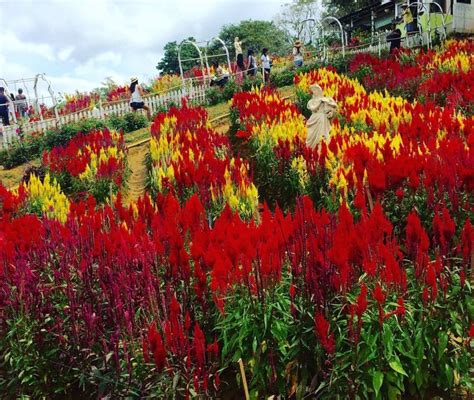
283, 78
213, 96
129, 122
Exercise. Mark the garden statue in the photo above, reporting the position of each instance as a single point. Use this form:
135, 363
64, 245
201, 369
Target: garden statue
319, 125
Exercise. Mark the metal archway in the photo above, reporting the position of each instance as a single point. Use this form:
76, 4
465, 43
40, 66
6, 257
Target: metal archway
180, 61
218, 39
421, 7
51, 92
343, 36
443, 17
31, 100
316, 23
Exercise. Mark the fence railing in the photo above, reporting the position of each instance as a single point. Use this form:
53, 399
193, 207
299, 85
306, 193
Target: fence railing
194, 94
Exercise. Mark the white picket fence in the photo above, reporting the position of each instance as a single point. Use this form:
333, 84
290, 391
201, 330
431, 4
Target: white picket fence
194, 94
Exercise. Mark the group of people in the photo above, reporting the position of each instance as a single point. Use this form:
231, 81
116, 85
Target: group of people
395, 37
243, 67
20, 105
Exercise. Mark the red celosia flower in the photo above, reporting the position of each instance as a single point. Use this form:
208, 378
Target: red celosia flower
378, 294
326, 339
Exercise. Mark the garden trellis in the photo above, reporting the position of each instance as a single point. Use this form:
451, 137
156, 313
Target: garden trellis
203, 58
320, 24
226, 53
180, 60
12, 86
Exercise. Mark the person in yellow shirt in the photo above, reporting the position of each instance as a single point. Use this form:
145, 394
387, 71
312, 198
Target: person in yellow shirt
408, 18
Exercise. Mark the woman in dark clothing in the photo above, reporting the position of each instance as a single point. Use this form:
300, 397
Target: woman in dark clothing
239, 76
4, 103
394, 38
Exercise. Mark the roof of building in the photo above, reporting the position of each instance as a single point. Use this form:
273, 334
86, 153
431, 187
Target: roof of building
363, 13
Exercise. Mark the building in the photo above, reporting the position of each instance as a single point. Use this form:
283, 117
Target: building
432, 16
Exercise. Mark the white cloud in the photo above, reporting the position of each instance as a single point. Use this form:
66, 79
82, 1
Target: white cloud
65, 53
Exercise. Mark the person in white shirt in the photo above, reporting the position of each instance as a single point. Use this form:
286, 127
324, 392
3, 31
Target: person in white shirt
136, 101
297, 54
266, 65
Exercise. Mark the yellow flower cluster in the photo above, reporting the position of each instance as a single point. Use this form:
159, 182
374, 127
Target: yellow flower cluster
46, 198
164, 150
171, 147
298, 164
242, 198
165, 82
105, 153
288, 128
460, 57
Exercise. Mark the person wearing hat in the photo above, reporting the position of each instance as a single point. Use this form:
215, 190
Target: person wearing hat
297, 54
407, 18
136, 101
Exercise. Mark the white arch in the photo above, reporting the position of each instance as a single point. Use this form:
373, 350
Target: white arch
343, 37
316, 23
421, 6
180, 61
51, 92
218, 39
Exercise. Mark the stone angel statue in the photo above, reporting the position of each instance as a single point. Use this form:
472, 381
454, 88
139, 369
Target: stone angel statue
319, 124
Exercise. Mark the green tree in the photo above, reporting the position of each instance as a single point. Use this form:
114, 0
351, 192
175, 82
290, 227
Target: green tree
292, 16
339, 8
255, 35
169, 62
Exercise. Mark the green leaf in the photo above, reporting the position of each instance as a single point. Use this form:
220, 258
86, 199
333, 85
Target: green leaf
449, 374
388, 341
442, 343
377, 381
397, 367
418, 378
393, 392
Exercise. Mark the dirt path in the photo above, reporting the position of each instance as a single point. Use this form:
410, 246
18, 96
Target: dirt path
10, 178
138, 173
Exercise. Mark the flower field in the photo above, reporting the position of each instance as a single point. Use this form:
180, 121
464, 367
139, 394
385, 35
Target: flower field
340, 272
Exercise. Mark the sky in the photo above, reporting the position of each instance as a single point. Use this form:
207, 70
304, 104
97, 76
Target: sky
77, 43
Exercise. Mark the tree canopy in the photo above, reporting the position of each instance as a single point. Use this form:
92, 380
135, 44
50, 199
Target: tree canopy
339, 8
292, 16
256, 35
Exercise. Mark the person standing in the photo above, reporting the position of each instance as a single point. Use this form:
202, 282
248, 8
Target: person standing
408, 18
21, 104
4, 103
297, 54
251, 64
136, 101
394, 38
238, 47
239, 75
266, 65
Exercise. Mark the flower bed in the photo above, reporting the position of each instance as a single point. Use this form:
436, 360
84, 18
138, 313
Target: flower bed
94, 163
362, 289
184, 149
442, 77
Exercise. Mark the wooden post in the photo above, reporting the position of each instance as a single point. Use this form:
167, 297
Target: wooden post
244, 379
